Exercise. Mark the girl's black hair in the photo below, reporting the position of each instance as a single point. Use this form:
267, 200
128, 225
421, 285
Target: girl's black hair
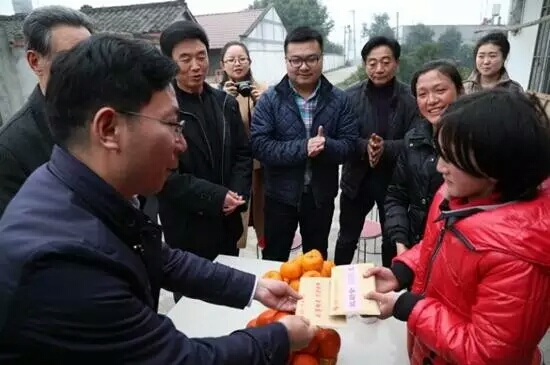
447, 68
498, 39
499, 134
225, 78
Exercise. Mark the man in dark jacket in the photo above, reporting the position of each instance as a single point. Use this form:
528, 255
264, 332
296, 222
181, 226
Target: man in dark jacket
218, 152
302, 129
386, 110
25, 141
82, 266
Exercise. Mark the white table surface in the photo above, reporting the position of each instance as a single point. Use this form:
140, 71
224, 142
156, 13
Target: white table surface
382, 342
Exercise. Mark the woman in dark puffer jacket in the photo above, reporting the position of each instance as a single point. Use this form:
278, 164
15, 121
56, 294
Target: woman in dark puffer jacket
415, 179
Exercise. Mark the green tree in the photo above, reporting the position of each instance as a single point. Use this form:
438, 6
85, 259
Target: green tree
295, 13
379, 27
418, 35
450, 43
413, 59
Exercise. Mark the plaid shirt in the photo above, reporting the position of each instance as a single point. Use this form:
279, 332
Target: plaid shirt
307, 109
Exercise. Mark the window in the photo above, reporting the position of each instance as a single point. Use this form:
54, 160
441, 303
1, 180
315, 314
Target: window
540, 72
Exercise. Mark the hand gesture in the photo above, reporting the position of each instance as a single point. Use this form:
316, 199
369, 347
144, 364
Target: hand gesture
385, 280
316, 144
375, 149
231, 202
300, 331
386, 302
230, 88
255, 94
276, 294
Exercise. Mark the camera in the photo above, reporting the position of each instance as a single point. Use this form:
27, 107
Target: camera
244, 88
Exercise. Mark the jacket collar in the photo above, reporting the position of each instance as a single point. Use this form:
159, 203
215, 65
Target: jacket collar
423, 133
475, 77
397, 87
97, 196
37, 105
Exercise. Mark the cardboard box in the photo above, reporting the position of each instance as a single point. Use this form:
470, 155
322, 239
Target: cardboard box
328, 301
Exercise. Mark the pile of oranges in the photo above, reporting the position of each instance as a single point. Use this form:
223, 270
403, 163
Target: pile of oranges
325, 346
310, 264
322, 350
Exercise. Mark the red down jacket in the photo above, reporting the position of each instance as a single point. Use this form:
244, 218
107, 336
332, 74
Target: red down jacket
485, 280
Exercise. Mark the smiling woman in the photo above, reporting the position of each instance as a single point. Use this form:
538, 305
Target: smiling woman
490, 54
415, 179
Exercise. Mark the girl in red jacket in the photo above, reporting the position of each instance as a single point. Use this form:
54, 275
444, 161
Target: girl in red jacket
480, 279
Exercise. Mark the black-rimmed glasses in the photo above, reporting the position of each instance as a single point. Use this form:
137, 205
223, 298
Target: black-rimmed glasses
310, 61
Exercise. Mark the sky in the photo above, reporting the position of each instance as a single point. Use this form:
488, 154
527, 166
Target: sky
410, 11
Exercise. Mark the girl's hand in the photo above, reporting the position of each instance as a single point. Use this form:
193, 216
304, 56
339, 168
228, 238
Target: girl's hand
255, 94
230, 88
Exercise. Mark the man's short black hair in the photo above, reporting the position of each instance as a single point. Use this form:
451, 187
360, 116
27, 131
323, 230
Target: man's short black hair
104, 70
37, 26
500, 134
178, 32
304, 34
381, 41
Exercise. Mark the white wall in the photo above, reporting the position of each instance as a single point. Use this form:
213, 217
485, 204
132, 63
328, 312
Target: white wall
16, 78
266, 46
522, 45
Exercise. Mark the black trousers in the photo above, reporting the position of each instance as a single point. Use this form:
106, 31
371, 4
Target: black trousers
281, 221
353, 212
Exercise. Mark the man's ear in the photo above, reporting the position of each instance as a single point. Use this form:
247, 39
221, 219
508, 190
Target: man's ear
106, 128
36, 62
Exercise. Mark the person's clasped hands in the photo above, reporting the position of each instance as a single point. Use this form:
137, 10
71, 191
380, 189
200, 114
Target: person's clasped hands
316, 145
280, 296
232, 201
375, 148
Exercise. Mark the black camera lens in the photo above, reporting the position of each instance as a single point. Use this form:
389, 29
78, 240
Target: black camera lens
244, 88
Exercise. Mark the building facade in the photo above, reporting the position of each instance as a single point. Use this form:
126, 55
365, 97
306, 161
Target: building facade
529, 60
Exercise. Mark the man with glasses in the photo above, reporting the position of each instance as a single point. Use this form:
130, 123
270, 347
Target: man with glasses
206, 223
82, 268
302, 129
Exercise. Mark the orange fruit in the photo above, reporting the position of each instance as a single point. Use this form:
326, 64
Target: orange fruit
311, 274
304, 359
326, 271
312, 261
311, 348
295, 284
291, 270
279, 315
273, 274
266, 317
329, 343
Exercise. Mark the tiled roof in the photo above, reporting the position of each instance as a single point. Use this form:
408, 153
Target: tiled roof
134, 19
225, 27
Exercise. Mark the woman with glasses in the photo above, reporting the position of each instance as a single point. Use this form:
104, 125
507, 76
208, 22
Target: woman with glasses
237, 81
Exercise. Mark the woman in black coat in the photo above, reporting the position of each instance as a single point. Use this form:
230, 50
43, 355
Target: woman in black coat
415, 179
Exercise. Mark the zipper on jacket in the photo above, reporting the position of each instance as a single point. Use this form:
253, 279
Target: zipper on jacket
437, 247
223, 136
462, 238
210, 154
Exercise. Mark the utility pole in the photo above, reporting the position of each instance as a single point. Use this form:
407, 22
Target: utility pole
354, 37
346, 50
397, 26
